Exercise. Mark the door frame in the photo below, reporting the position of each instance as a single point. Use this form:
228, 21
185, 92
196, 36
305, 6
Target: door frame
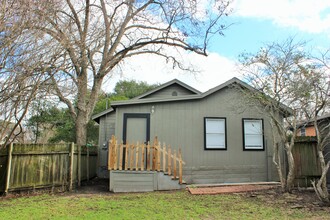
136, 115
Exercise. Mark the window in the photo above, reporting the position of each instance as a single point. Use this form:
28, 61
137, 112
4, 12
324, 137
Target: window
215, 134
253, 134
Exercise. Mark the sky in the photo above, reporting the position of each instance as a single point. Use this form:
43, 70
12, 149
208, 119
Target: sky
253, 24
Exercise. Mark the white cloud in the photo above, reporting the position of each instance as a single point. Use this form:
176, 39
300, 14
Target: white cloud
310, 16
214, 70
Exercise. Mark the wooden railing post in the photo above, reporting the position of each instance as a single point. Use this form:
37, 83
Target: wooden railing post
148, 156
121, 156
142, 156
180, 167
154, 153
110, 153
164, 158
126, 155
10, 155
115, 153
158, 156
137, 156
132, 157
169, 161
174, 164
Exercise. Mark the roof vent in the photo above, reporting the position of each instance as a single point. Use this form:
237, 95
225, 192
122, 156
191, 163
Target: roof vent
174, 93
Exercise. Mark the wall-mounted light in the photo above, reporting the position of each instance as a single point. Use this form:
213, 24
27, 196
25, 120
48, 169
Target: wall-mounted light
152, 109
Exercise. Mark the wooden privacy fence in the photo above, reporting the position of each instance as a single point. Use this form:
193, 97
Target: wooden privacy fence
307, 165
145, 157
29, 166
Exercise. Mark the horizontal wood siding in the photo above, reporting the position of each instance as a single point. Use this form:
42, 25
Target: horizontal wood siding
180, 124
130, 181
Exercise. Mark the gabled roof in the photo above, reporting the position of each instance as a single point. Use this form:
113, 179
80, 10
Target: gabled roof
99, 115
196, 96
163, 86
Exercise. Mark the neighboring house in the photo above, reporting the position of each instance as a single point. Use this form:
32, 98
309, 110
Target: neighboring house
308, 129
223, 139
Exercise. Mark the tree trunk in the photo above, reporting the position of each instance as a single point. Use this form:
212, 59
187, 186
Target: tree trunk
277, 162
81, 129
320, 187
291, 175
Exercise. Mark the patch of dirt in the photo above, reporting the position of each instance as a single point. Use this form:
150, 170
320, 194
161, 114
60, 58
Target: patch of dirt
87, 188
94, 186
298, 199
269, 194
228, 189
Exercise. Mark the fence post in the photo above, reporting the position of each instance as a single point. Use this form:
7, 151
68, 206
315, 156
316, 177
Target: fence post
71, 165
87, 162
79, 165
10, 154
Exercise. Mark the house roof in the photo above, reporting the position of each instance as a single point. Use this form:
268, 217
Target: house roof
308, 123
99, 115
163, 86
196, 96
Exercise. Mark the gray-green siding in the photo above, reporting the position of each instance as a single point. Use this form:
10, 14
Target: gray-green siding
181, 124
106, 130
167, 92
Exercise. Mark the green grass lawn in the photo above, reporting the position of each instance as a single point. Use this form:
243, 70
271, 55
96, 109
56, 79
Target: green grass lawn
156, 205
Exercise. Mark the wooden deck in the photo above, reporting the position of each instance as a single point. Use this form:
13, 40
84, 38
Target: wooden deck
145, 157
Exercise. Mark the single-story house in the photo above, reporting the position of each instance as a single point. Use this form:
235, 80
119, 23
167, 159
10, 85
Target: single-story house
223, 139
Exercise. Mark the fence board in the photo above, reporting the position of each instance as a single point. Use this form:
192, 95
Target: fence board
38, 166
307, 166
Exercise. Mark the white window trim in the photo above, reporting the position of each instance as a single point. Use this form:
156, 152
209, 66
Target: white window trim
206, 147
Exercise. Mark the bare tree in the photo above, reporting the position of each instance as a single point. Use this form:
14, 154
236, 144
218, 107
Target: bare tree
21, 71
276, 71
314, 104
84, 41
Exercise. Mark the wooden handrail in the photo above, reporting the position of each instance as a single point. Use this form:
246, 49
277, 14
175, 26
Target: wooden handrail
148, 157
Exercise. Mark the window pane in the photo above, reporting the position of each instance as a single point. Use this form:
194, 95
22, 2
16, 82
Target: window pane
252, 127
215, 140
253, 140
215, 125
